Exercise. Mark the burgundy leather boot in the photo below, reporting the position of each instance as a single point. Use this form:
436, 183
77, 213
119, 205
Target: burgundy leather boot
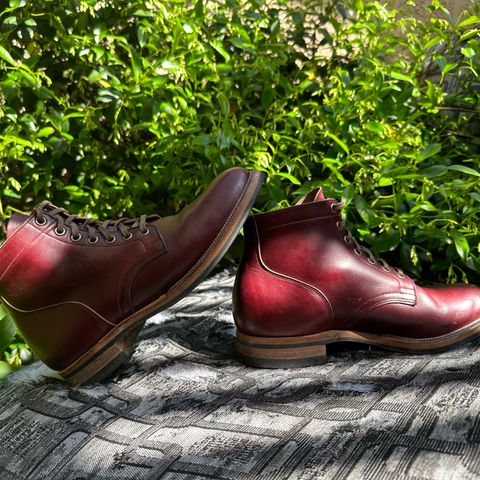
304, 282
80, 290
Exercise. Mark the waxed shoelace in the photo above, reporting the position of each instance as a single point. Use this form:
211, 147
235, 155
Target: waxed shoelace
360, 249
91, 226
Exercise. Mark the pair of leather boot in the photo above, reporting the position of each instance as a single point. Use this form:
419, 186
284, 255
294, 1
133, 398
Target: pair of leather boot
80, 289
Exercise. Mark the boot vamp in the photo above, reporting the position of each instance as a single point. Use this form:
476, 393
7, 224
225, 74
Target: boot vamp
437, 311
189, 236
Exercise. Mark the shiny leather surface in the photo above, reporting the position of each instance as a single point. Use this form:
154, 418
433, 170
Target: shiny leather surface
300, 276
65, 295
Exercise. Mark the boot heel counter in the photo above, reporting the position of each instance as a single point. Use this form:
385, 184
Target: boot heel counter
61, 333
269, 304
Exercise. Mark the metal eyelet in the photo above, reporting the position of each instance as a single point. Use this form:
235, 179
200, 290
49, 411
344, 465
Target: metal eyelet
112, 240
357, 252
127, 237
146, 232
385, 269
61, 232
75, 238
332, 208
91, 242
339, 225
401, 275
347, 240
41, 222
372, 262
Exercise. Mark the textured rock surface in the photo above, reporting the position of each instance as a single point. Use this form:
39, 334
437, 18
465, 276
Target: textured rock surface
185, 409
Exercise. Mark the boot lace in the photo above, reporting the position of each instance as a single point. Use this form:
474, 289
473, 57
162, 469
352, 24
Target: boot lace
92, 227
360, 249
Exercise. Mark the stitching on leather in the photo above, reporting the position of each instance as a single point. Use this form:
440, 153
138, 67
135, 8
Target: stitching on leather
129, 278
377, 299
213, 244
58, 305
7, 269
386, 301
287, 278
8, 240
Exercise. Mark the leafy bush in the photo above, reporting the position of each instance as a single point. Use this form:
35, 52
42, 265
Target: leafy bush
130, 106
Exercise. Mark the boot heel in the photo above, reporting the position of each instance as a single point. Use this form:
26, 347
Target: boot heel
279, 352
101, 362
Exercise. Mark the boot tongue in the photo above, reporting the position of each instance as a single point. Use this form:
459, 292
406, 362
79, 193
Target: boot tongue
16, 220
315, 195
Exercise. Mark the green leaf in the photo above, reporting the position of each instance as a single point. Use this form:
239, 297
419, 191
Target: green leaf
464, 169
424, 205
338, 142
468, 52
10, 21
401, 76
218, 46
434, 171
45, 132
472, 20
224, 104
7, 328
268, 95
359, 5
7, 57
433, 41
364, 210
461, 245
288, 176
143, 13
386, 241
429, 151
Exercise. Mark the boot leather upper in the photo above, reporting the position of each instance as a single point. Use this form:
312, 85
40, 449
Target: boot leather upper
301, 276
65, 294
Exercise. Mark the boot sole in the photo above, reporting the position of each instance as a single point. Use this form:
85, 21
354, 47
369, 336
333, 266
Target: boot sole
116, 348
302, 351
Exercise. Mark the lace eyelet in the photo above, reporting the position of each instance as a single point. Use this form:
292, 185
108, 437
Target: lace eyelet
385, 269
401, 274
112, 240
372, 262
92, 242
75, 238
146, 232
332, 208
339, 225
347, 240
127, 237
41, 222
357, 252
61, 232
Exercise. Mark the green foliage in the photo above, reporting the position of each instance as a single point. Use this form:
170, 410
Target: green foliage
7, 328
12, 354
129, 106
